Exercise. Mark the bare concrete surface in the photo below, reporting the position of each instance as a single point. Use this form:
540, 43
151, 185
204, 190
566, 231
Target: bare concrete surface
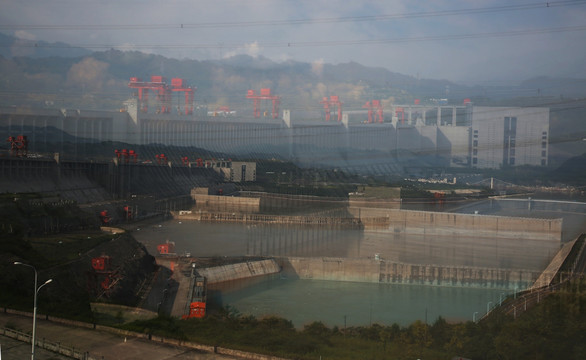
100, 345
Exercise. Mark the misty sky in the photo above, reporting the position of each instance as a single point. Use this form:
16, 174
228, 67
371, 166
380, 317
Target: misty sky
488, 42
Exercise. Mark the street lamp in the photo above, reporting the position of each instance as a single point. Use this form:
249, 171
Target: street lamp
36, 291
488, 307
474, 316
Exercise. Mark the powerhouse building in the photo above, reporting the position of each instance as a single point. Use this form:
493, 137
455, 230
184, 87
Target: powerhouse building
453, 136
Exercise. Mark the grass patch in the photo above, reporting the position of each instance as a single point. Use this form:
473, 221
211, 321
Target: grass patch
112, 314
67, 247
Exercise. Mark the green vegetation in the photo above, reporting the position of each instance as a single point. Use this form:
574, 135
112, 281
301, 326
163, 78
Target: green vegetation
112, 314
58, 249
553, 329
34, 232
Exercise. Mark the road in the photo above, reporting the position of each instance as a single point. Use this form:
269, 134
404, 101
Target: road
99, 344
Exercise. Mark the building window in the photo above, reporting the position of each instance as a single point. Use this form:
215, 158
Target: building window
475, 161
543, 145
475, 152
512, 161
475, 143
543, 153
542, 162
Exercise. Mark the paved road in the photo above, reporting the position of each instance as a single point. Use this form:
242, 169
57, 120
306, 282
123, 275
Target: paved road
99, 344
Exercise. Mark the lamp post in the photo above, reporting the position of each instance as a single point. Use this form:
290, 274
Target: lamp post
474, 316
36, 291
488, 307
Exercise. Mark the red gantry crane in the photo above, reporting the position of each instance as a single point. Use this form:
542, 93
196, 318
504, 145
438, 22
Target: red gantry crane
126, 155
178, 85
18, 145
265, 94
333, 102
372, 106
164, 93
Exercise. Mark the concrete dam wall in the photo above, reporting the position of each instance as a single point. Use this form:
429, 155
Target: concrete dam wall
226, 203
381, 271
446, 224
238, 271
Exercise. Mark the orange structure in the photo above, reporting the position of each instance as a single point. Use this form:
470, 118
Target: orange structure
265, 94
197, 305
105, 217
18, 145
102, 278
127, 212
166, 248
374, 106
333, 102
161, 158
164, 93
126, 155
101, 263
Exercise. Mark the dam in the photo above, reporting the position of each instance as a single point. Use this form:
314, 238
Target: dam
434, 272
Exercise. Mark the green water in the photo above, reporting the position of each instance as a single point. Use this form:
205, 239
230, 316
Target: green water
335, 303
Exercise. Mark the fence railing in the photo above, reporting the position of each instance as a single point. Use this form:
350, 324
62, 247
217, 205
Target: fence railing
72, 352
55, 347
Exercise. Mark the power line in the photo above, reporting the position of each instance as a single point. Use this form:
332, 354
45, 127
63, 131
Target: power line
293, 22
309, 43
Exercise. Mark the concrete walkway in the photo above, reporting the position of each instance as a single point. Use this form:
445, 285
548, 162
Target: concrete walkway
12, 349
100, 345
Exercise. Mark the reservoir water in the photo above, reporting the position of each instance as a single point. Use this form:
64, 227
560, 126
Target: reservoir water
335, 303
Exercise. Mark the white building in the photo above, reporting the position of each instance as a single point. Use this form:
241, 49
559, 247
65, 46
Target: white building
509, 136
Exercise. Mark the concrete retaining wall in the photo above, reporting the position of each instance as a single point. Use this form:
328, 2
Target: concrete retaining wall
435, 223
381, 271
226, 203
266, 219
340, 269
239, 271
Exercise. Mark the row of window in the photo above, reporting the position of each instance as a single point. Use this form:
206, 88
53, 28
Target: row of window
509, 142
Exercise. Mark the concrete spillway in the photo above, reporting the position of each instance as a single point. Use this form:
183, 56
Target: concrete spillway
239, 271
